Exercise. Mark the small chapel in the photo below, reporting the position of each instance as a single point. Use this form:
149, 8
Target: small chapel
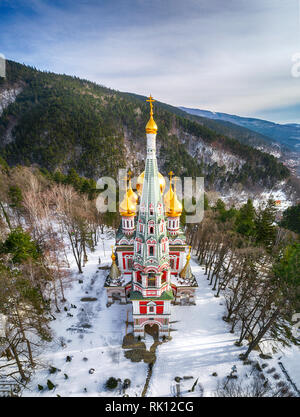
150, 267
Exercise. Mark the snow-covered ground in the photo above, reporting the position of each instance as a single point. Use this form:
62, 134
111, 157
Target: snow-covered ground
200, 346
259, 199
92, 337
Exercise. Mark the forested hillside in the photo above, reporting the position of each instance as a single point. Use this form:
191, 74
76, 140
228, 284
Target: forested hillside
62, 122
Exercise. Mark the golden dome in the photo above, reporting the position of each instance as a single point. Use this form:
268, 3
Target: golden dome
128, 205
140, 182
151, 126
131, 194
173, 207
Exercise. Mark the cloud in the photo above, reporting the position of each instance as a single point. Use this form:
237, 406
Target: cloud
232, 56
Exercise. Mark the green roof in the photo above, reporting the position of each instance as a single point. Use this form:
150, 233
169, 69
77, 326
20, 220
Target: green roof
137, 295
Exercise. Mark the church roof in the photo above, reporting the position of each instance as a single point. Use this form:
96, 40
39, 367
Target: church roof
137, 295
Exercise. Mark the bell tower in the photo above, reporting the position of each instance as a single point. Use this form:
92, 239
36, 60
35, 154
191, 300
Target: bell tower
151, 293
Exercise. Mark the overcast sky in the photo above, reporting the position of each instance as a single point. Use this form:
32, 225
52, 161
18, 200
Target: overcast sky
232, 56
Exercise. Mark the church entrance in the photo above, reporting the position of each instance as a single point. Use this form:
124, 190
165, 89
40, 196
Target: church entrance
116, 296
152, 330
184, 299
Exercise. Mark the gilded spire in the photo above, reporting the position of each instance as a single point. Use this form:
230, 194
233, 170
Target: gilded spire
131, 194
151, 126
113, 256
114, 272
186, 271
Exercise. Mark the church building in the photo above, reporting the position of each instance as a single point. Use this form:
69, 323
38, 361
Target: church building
150, 268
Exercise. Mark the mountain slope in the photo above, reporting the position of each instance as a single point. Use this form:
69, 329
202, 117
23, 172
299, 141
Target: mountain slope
62, 122
287, 135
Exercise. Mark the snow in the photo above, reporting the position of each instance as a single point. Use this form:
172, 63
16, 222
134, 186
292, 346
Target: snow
101, 344
259, 199
7, 97
277, 195
200, 344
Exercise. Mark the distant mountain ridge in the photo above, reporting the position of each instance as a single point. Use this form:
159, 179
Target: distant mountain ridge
287, 135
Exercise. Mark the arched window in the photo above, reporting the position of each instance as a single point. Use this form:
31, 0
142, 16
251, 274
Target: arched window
151, 250
151, 308
151, 280
129, 263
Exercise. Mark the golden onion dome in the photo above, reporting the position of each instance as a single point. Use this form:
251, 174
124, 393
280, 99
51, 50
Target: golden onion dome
173, 207
151, 126
131, 194
140, 182
128, 205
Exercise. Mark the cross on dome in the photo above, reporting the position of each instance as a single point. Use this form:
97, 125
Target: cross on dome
151, 126
151, 100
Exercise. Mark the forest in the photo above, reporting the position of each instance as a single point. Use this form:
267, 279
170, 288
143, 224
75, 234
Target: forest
62, 122
40, 220
254, 262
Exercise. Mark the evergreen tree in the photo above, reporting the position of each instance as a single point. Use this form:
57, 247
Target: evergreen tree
245, 219
265, 227
287, 271
20, 246
15, 196
291, 218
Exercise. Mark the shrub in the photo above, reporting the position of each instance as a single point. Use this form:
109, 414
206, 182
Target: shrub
126, 383
111, 383
50, 384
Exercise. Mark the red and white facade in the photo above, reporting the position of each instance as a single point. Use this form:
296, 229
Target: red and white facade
150, 250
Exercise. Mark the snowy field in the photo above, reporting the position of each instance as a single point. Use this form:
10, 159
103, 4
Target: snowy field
91, 336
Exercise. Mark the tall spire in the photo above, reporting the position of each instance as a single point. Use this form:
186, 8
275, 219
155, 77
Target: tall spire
151, 213
151, 126
186, 273
114, 272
